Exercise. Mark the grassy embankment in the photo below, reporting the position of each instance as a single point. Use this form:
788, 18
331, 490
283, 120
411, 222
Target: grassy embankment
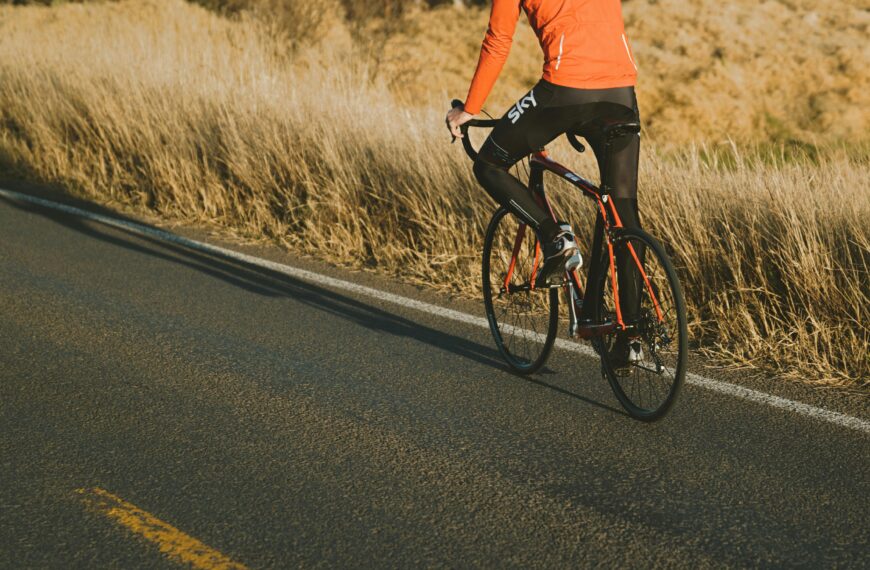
339, 152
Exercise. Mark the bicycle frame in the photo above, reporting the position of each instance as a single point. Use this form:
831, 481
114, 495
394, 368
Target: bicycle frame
607, 220
653, 348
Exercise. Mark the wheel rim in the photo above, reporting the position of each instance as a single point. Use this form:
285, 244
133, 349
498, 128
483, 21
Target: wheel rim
520, 318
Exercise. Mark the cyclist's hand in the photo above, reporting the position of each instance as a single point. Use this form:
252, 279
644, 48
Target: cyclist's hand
455, 118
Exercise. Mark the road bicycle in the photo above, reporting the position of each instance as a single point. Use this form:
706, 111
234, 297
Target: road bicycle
523, 315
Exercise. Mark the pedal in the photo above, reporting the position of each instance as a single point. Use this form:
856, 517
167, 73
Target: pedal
556, 281
551, 281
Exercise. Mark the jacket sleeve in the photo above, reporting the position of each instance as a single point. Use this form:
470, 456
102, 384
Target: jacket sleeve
493, 52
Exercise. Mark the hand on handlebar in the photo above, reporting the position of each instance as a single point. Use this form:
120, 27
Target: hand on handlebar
456, 118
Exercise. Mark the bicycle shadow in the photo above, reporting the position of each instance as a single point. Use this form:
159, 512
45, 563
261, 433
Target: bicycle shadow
267, 282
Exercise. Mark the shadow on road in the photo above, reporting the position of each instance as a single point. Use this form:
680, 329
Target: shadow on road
263, 281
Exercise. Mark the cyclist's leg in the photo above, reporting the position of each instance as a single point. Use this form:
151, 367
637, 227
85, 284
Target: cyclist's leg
536, 119
525, 127
621, 177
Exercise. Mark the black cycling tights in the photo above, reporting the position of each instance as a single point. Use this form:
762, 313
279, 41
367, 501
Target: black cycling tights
546, 112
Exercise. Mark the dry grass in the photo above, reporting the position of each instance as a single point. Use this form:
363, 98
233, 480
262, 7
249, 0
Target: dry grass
165, 106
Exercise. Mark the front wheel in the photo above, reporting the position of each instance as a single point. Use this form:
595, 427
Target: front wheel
523, 320
645, 364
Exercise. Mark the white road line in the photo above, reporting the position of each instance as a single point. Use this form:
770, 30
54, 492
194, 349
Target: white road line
319, 279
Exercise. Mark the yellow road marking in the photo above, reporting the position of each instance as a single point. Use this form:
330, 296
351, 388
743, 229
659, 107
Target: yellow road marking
171, 541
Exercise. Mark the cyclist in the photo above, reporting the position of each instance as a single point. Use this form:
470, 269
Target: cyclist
588, 79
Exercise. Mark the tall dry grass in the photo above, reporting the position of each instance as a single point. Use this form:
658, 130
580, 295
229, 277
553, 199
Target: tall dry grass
167, 107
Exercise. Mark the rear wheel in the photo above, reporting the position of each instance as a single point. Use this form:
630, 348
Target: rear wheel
646, 363
523, 321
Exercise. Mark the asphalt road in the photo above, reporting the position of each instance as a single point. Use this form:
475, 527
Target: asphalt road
289, 425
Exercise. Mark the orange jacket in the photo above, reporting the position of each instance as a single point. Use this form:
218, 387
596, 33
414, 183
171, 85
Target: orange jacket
583, 41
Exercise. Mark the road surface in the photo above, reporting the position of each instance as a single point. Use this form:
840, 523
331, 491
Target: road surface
271, 422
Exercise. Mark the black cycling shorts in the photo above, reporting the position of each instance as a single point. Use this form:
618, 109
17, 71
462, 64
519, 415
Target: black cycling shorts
540, 116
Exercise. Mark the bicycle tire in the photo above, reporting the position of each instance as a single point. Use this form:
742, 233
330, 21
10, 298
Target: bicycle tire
661, 369
523, 322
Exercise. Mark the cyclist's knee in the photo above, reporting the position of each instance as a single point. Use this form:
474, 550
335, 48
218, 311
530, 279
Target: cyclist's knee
492, 162
487, 173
